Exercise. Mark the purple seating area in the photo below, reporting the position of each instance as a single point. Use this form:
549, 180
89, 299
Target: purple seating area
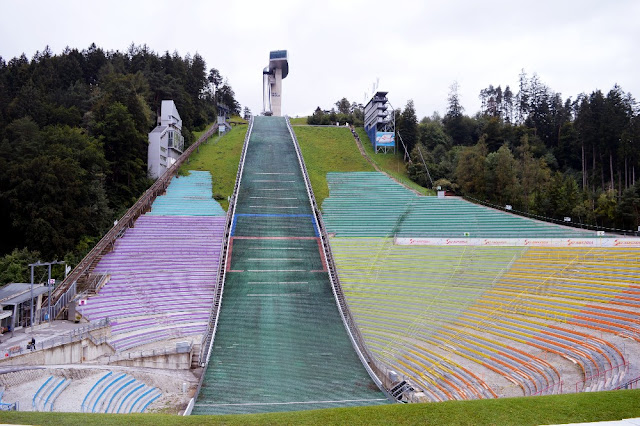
162, 276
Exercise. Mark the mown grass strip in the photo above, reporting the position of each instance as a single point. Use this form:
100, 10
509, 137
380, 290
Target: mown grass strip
299, 121
541, 410
329, 149
220, 156
391, 163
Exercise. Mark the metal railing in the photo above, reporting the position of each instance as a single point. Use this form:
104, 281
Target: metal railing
552, 220
70, 337
177, 349
377, 372
374, 164
126, 221
599, 380
96, 282
631, 384
209, 336
60, 304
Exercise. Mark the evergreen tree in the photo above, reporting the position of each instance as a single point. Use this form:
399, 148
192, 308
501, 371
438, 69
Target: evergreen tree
407, 125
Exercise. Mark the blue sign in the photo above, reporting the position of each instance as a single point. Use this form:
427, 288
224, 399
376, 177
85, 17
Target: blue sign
385, 139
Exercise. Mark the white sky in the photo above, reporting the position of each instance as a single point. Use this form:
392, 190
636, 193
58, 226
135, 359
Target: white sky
338, 48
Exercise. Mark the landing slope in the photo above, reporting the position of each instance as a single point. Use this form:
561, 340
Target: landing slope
280, 344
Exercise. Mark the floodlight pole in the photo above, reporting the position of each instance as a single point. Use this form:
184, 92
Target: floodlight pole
31, 310
49, 298
33, 265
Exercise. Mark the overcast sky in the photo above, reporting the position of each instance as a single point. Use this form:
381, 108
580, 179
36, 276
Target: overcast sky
340, 48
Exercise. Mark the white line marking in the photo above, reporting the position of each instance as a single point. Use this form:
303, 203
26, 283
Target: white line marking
293, 402
277, 227
273, 173
272, 207
276, 248
272, 294
277, 270
276, 198
272, 189
266, 180
278, 259
278, 282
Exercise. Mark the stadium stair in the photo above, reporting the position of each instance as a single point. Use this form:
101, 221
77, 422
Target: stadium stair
119, 393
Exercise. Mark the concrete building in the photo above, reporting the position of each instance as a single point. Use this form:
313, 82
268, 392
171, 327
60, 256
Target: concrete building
165, 141
272, 76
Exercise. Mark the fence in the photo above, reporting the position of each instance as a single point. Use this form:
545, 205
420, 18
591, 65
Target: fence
552, 220
9, 406
631, 384
178, 349
60, 304
70, 337
141, 206
602, 377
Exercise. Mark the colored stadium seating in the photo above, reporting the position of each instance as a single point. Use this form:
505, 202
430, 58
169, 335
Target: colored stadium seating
475, 322
369, 204
164, 269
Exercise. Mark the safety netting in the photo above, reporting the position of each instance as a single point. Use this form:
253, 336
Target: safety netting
280, 343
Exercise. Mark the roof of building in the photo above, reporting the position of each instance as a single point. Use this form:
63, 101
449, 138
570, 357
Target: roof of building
15, 293
279, 59
159, 129
168, 108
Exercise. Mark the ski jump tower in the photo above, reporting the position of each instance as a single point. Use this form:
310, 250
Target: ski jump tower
272, 76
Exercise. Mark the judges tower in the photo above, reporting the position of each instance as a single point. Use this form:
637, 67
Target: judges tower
272, 76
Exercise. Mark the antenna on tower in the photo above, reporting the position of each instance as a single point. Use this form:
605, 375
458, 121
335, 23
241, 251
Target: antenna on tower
377, 83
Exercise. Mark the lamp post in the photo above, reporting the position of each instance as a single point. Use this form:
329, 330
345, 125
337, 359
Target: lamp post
32, 266
50, 285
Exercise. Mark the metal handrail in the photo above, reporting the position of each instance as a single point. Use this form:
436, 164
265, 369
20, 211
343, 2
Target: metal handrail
59, 305
209, 336
376, 372
127, 220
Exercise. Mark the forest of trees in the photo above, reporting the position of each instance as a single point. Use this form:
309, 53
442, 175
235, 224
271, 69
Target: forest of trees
529, 148
536, 151
343, 112
73, 142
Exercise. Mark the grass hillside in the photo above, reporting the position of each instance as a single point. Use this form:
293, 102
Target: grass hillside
329, 149
391, 163
298, 121
555, 409
221, 157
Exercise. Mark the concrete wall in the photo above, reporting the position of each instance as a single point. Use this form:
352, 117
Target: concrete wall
171, 361
69, 353
276, 94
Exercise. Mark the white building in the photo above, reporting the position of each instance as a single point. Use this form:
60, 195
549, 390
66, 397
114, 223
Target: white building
165, 141
272, 76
